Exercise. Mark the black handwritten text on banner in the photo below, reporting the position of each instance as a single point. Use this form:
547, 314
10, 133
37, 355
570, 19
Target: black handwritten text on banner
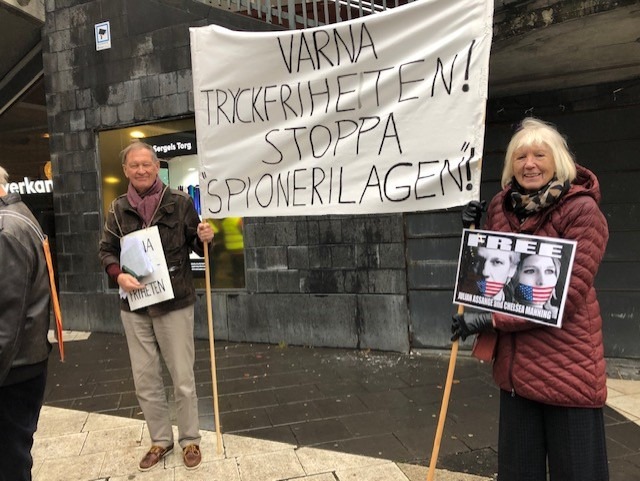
379, 114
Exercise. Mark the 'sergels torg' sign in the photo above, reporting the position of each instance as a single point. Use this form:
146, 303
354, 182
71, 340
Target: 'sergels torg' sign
379, 114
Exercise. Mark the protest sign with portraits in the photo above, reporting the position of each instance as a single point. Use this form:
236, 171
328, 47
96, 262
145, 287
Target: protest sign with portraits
517, 274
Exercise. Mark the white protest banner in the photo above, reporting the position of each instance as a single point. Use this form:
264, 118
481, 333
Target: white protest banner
516, 274
380, 114
157, 285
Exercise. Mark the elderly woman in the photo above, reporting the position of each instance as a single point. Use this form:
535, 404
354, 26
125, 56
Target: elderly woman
552, 381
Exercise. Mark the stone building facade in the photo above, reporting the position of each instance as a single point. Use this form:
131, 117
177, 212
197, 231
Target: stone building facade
376, 281
330, 281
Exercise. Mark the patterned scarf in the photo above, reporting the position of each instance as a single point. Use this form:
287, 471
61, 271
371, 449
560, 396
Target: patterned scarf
526, 204
146, 202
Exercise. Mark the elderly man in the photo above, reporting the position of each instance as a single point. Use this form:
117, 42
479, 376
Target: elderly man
164, 329
24, 325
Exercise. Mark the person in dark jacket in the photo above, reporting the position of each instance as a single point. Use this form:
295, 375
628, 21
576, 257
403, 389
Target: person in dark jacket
164, 329
24, 326
552, 380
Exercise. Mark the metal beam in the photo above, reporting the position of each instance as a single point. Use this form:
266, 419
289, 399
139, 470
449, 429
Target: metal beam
31, 8
21, 78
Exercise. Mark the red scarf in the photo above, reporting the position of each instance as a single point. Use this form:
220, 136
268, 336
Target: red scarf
147, 202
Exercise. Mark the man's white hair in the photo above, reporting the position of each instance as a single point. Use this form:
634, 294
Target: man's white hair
4, 176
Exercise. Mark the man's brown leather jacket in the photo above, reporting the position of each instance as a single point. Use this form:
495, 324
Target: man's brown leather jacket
177, 222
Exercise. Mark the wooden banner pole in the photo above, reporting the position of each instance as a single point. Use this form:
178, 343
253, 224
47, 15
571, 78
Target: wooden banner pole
214, 379
443, 409
54, 296
445, 402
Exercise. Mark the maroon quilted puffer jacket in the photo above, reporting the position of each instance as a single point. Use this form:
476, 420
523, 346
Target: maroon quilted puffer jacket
562, 367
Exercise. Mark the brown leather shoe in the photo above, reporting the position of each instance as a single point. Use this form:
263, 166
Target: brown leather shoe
153, 457
191, 456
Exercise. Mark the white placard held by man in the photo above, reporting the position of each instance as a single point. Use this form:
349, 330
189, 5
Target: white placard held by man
156, 285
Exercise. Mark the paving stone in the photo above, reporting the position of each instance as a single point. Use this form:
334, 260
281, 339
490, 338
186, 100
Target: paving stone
57, 422
384, 446
482, 462
270, 467
419, 473
156, 474
316, 461
419, 417
625, 434
60, 446
320, 477
64, 390
293, 413
110, 439
107, 402
244, 420
222, 470
298, 393
122, 461
280, 434
237, 446
367, 409
98, 422
391, 399
339, 388
367, 424
626, 469
250, 400
340, 406
237, 386
424, 394
419, 442
318, 432
626, 404
383, 472
76, 467
616, 450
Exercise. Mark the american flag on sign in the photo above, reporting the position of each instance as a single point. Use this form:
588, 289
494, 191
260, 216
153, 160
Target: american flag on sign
536, 294
489, 288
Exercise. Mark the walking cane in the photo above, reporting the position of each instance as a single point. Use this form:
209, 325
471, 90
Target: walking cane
214, 380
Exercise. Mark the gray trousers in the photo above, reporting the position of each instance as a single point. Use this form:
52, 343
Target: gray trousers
169, 336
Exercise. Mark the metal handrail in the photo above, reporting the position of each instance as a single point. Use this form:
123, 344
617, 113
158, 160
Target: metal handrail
294, 14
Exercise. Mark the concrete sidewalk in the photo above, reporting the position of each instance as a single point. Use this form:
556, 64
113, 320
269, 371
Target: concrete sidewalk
75, 445
293, 413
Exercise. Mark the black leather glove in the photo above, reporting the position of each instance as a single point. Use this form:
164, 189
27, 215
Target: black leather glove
472, 213
464, 325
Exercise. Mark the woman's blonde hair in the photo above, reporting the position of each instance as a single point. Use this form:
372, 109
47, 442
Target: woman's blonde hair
533, 131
